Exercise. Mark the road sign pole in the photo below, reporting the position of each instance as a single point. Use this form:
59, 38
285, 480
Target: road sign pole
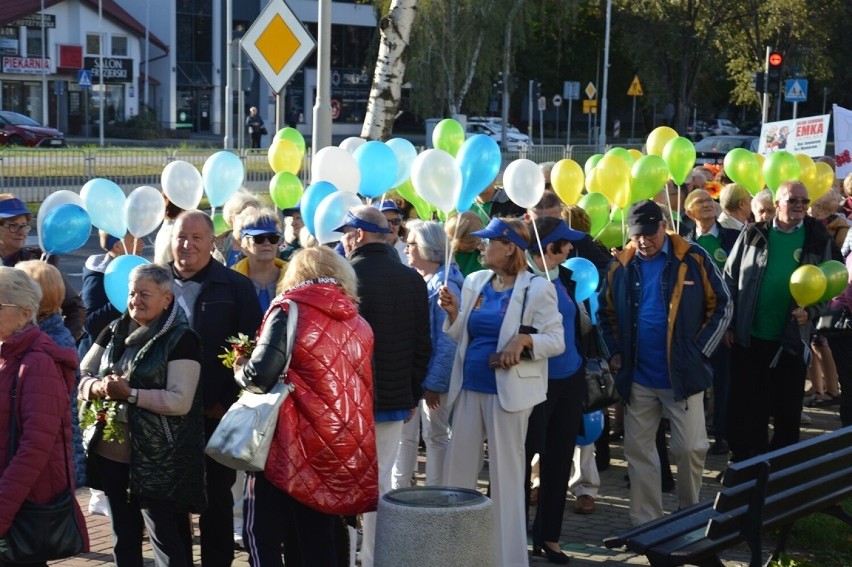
557, 122
765, 117
633, 120
795, 109
568, 126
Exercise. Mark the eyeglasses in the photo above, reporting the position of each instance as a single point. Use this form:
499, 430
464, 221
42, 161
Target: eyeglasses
488, 241
396, 221
797, 201
2, 305
270, 238
15, 228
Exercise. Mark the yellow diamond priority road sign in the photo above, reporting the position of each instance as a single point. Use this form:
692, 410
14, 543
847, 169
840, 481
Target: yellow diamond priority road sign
278, 44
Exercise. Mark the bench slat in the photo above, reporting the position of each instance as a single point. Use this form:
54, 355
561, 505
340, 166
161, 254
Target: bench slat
647, 533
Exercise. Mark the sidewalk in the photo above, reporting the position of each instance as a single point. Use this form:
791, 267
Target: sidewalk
582, 536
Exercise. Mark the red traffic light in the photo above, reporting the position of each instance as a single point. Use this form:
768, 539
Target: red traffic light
776, 59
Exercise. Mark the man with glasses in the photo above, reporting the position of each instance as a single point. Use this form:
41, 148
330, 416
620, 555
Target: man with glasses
396, 236
14, 228
664, 310
769, 332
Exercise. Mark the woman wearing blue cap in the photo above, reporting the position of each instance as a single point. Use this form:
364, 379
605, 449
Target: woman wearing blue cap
260, 232
507, 324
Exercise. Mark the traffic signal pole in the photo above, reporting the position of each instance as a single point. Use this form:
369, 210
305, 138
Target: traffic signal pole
765, 117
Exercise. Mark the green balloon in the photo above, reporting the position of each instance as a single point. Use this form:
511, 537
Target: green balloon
285, 189
742, 167
596, 206
220, 225
617, 215
622, 153
612, 235
780, 167
448, 135
407, 192
292, 135
837, 276
647, 177
591, 163
679, 155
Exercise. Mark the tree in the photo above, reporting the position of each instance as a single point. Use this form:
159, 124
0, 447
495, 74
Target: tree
386, 91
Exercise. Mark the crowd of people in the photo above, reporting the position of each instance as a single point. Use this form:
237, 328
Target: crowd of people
467, 334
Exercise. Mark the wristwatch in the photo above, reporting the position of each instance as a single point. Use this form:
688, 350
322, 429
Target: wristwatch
133, 397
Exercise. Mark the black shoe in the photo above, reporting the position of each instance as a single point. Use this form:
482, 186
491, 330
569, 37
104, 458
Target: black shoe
557, 557
720, 447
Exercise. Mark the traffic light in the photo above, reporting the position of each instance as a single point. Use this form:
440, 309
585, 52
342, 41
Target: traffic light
760, 82
774, 64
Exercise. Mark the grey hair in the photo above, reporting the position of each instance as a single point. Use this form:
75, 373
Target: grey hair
159, 274
238, 202
430, 239
253, 215
764, 196
18, 288
732, 195
786, 187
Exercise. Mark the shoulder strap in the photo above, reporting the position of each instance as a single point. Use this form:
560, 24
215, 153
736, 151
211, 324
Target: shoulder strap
292, 310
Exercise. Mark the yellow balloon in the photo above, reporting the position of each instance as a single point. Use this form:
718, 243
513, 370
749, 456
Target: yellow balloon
592, 185
636, 154
807, 171
284, 155
567, 179
807, 284
823, 181
760, 159
658, 139
613, 176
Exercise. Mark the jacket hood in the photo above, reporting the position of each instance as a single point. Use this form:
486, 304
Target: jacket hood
326, 297
98, 262
36, 340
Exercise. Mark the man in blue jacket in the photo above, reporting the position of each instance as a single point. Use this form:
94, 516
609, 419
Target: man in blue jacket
664, 310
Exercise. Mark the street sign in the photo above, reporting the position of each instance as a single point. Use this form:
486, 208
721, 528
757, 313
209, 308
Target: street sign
557, 100
635, 87
571, 90
590, 107
796, 90
591, 90
278, 44
84, 78
542, 104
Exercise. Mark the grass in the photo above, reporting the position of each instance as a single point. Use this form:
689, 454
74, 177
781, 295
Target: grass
819, 540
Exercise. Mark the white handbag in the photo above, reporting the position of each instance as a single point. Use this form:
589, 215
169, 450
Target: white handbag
243, 437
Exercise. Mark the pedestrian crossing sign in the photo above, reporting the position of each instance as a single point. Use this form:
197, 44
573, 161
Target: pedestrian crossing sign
84, 78
796, 90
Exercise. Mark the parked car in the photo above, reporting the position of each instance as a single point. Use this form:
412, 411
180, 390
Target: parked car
19, 130
723, 127
712, 149
515, 139
697, 130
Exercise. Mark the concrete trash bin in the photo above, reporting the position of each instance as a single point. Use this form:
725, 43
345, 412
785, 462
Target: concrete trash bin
435, 526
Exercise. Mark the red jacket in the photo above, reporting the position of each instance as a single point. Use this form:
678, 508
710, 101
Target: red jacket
323, 453
46, 380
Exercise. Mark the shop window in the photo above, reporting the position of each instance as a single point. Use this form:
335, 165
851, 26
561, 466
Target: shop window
93, 44
34, 42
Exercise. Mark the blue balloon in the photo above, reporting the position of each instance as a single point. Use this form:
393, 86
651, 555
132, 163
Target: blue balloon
65, 228
117, 279
104, 201
405, 153
585, 274
377, 164
223, 174
593, 424
479, 159
311, 198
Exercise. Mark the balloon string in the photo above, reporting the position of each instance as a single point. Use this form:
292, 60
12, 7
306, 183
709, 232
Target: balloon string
569, 218
124, 244
543, 259
450, 248
45, 256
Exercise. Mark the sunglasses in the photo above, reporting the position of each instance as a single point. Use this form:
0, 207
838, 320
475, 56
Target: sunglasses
797, 201
262, 238
395, 222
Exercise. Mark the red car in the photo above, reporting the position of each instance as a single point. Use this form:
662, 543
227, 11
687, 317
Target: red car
19, 130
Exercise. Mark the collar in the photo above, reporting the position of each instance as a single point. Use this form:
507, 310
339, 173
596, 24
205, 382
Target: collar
779, 229
714, 230
198, 277
664, 250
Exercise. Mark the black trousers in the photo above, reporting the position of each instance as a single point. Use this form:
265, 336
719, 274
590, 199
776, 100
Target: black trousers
841, 349
554, 435
217, 522
758, 391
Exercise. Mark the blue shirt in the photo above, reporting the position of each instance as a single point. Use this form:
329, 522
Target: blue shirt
652, 368
568, 363
483, 326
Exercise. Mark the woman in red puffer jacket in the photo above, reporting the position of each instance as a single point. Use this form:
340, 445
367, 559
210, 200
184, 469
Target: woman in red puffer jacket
322, 463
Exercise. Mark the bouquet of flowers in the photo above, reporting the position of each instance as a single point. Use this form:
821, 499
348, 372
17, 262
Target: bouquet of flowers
101, 411
241, 346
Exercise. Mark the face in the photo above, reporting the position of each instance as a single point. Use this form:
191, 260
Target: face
261, 247
13, 233
349, 240
146, 301
192, 242
416, 258
762, 210
12, 318
792, 204
702, 207
297, 222
494, 253
552, 212
394, 221
132, 245
649, 245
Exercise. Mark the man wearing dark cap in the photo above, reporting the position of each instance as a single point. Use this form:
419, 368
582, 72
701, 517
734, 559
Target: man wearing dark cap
395, 302
393, 213
664, 310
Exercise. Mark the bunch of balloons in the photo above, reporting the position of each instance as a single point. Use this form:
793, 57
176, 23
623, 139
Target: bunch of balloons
755, 171
285, 156
810, 284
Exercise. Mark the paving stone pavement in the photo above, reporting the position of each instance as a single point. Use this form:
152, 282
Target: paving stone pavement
582, 535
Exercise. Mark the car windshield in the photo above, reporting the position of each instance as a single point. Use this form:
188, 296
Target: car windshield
720, 144
18, 119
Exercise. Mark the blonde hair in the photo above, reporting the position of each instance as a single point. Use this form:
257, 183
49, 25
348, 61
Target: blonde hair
320, 262
826, 205
461, 239
51, 283
517, 262
237, 203
18, 288
732, 195
577, 218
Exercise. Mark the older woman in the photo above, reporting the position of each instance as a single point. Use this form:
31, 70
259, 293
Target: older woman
228, 248
507, 325
151, 458
318, 467
260, 232
763, 206
42, 376
426, 247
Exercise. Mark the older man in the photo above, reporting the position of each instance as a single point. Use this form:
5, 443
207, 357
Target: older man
769, 331
664, 309
736, 206
395, 302
219, 303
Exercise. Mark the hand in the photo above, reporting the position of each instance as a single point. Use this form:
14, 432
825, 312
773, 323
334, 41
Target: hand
410, 415
448, 302
728, 339
117, 388
615, 363
800, 315
239, 363
432, 399
511, 353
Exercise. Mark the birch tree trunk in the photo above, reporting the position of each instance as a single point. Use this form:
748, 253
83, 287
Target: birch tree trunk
386, 91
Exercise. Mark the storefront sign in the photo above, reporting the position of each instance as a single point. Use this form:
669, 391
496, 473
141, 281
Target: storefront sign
8, 45
116, 69
70, 57
34, 21
26, 65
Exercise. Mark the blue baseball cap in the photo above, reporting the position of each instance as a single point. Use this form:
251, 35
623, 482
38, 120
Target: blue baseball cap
562, 232
387, 205
500, 229
263, 226
352, 221
13, 207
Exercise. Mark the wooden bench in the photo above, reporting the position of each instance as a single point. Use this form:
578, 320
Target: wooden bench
765, 492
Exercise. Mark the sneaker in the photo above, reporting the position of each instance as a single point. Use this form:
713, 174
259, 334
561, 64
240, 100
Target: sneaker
584, 504
238, 541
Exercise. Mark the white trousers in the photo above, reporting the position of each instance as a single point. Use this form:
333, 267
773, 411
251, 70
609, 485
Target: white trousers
388, 434
436, 435
585, 480
689, 445
477, 417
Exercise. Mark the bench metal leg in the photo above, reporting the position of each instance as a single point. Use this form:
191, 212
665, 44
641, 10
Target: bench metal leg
782, 544
753, 521
838, 512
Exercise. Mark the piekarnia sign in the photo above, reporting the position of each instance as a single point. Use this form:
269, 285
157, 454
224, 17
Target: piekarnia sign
116, 69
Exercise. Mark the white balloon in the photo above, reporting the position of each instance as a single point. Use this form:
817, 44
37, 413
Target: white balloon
61, 197
330, 214
338, 167
182, 184
437, 178
352, 143
524, 183
144, 211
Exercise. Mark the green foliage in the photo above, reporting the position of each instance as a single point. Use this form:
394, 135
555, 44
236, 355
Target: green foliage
825, 541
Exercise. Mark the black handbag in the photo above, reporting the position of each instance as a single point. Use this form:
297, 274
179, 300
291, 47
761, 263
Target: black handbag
600, 383
41, 532
835, 322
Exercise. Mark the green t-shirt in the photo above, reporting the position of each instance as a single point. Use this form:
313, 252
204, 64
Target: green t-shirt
773, 298
713, 245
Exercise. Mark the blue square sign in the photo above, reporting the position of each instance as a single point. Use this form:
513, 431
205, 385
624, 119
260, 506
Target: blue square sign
84, 78
796, 90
